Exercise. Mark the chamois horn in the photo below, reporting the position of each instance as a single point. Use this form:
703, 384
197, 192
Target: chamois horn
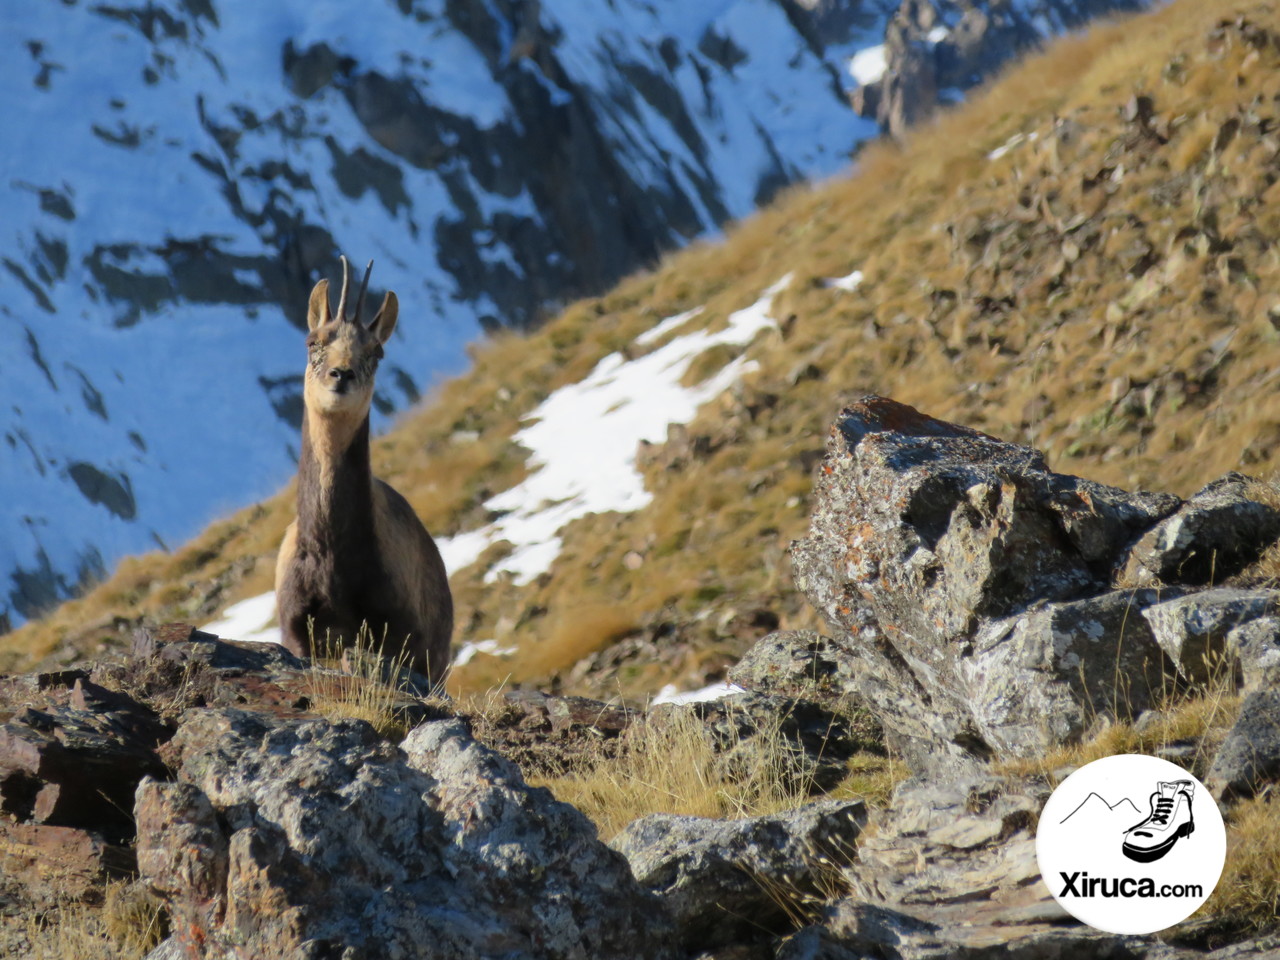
346, 282
364, 285
346, 285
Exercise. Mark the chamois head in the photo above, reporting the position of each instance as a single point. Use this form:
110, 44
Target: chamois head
342, 352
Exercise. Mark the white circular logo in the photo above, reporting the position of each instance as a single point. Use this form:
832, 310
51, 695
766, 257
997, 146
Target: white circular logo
1131, 844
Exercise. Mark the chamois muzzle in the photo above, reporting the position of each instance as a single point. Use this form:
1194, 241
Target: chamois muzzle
340, 377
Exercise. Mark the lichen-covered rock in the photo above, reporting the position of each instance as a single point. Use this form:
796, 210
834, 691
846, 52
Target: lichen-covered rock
1041, 678
1193, 629
285, 838
796, 663
1249, 757
933, 550
1256, 647
1214, 535
726, 881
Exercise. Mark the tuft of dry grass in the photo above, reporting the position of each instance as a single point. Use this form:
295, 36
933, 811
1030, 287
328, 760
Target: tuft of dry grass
1247, 897
358, 682
126, 926
872, 778
672, 767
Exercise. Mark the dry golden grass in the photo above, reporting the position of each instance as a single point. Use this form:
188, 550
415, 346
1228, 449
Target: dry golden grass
872, 778
359, 683
1247, 897
670, 766
127, 925
663, 770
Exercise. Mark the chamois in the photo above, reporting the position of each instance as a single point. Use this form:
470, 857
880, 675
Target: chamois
357, 553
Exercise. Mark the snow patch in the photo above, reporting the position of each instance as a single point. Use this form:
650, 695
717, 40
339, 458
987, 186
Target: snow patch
849, 283
467, 652
868, 65
716, 691
582, 443
249, 621
666, 326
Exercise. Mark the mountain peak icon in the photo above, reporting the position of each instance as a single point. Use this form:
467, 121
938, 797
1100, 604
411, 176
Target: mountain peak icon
1096, 807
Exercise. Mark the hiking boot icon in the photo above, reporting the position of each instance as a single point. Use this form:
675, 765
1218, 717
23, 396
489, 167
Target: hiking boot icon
1170, 818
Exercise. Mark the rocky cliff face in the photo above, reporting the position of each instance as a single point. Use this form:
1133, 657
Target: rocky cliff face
178, 174
934, 50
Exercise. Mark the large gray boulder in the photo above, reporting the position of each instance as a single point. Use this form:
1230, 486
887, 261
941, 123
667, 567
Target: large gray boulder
728, 881
1194, 629
288, 839
1214, 535
1042, 678
974, 585
1249, 757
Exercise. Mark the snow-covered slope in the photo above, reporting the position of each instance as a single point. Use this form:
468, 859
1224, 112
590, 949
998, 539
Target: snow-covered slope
177, 174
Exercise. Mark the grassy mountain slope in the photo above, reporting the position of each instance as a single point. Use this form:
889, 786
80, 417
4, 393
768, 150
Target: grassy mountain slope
1079, 258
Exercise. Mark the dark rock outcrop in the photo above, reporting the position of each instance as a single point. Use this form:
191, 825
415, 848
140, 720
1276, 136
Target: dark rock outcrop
73, 751
1249, 757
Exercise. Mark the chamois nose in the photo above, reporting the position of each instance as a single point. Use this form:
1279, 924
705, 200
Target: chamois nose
341, 376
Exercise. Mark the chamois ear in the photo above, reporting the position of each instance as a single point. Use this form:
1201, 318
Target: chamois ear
318, 308
385, 322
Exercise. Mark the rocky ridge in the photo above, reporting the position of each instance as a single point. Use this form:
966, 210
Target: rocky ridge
266, 829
